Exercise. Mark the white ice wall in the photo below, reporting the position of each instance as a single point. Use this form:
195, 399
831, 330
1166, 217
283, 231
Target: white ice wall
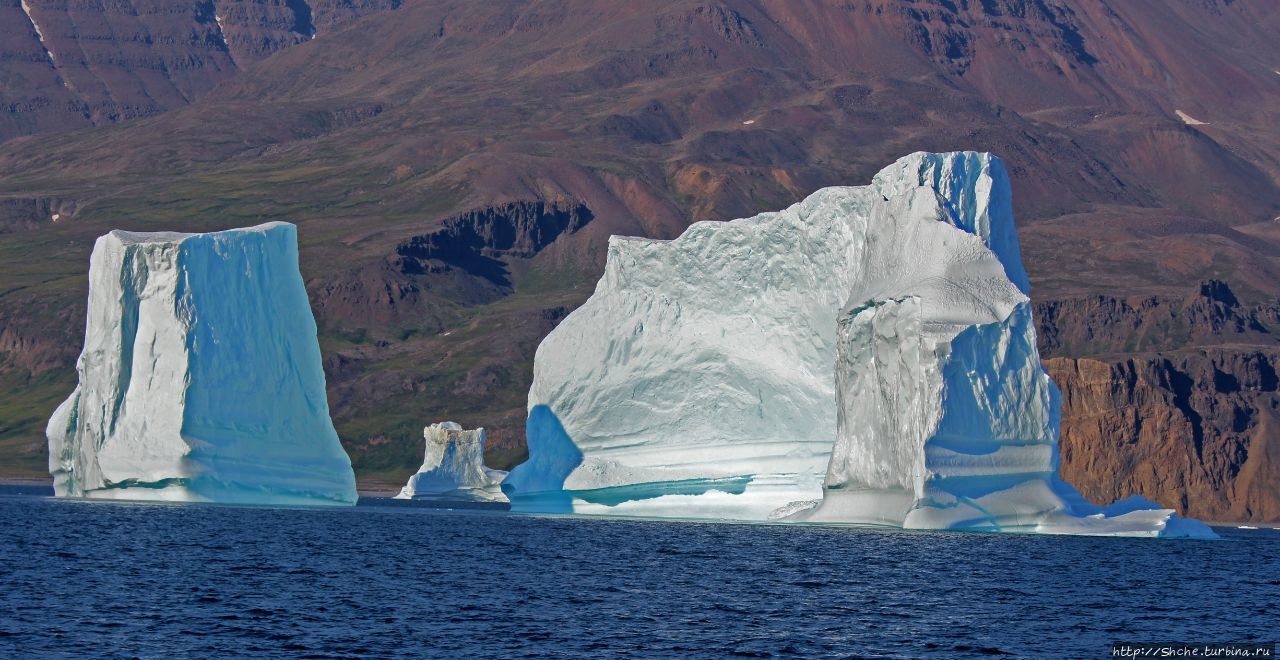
874, 339
453, 467
200, 378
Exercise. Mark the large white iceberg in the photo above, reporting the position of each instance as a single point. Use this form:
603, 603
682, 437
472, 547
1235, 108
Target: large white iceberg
864, 356
200, 378
453, 468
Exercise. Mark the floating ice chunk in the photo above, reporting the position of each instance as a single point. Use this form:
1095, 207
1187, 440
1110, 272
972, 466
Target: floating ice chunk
946, 419
453, 467
708, 355
200, 378
869, 347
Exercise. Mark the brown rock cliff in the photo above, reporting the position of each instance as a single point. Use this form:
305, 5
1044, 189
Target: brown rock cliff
1189, 417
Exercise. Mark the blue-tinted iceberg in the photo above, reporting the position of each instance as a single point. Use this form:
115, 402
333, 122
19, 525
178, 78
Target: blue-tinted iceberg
453, 468
200, 378
865, 356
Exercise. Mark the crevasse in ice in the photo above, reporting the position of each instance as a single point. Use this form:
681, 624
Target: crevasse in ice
200, 378
864, 356
453, 467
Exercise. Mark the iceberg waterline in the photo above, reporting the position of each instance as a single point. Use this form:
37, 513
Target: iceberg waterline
200, 378
864, 356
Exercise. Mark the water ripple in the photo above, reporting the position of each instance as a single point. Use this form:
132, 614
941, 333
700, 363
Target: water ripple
395, 581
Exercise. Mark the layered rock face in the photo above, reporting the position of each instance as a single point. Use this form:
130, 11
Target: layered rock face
72, 64
1187, 417
254, 29
699, 379
200, 378
453, 467
1198, 430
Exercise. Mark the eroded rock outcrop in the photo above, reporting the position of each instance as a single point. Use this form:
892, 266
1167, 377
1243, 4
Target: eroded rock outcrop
477, 243
1197, 430
1173, 398
1209, 315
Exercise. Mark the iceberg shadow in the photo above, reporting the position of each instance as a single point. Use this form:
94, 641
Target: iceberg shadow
537, 485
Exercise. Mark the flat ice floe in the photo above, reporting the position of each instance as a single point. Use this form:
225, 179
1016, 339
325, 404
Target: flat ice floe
866, 356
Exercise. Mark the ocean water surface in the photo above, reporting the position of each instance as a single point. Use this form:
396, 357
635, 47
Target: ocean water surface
89, 579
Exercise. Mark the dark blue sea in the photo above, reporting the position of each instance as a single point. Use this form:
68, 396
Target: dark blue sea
80, 579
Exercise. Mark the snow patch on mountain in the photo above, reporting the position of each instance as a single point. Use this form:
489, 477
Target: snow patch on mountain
26, 9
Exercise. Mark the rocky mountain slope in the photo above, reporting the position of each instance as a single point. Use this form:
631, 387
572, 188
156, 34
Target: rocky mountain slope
66, 65
455, 167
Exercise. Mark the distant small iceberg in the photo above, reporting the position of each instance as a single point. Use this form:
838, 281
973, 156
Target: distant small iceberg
453, 468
